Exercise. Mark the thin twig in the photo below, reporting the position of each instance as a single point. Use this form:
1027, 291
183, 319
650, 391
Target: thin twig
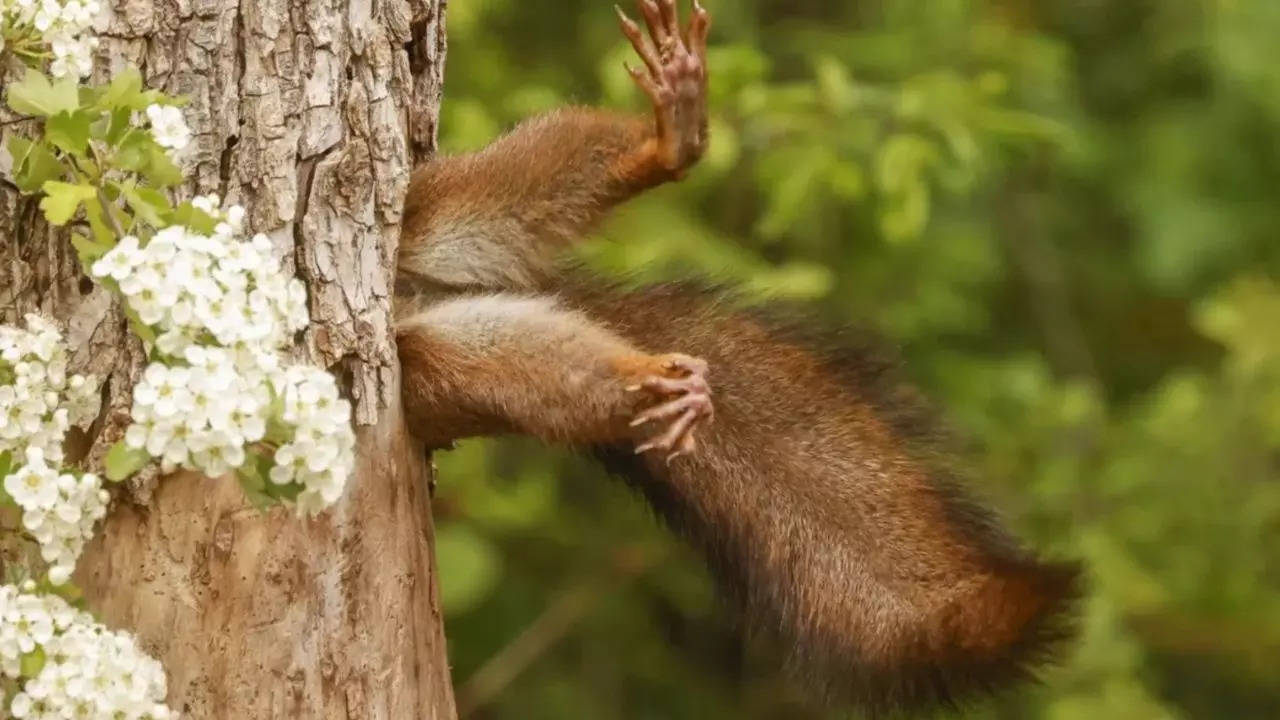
15, 121
111, 217
553, 624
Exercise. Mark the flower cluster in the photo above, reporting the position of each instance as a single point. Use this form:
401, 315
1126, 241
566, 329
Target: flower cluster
39, 402
69, 666
321, 453
217, 396
66, 27
195, 289
59, 510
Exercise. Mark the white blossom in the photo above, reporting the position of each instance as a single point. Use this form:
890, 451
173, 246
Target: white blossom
72, 56
88, 672
168, 126
185, 285
322, 453
209, 204
59, 510
39, 401
222, 310
120, 261
66, 27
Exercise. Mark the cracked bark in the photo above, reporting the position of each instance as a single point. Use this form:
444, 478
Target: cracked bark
309, 113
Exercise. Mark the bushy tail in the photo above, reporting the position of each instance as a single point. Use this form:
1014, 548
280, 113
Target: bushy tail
829, 518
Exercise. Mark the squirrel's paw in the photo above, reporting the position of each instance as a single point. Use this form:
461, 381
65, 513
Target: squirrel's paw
686, 403
674, 78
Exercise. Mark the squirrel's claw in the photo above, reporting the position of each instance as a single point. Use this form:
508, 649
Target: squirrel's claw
642, 48
689, 405
677, 433
698, 402
674, 78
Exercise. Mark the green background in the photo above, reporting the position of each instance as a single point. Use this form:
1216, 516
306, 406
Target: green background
1063, 212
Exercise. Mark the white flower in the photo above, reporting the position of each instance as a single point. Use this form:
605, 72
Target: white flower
224, 454
59, 510
120, 261
174, 342
34, 485
150, 433
209, 204
21, 705
60, 574
72, 56
47, 13
41, 400
291, 463
176, 235
235, 217
172, 395
162, 248
89, 671
82, 399
248, 419
146, 392
168, 126
78, 13
222, 310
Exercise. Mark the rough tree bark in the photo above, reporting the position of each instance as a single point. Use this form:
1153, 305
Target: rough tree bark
309, 113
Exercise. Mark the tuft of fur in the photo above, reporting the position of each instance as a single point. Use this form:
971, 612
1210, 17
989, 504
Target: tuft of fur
828, 515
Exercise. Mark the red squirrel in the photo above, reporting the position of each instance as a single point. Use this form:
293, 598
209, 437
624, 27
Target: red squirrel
811, 484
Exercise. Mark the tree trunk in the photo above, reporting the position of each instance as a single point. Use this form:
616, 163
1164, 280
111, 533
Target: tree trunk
310, 114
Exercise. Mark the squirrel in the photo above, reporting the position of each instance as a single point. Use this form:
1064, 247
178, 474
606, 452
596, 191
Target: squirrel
811, 483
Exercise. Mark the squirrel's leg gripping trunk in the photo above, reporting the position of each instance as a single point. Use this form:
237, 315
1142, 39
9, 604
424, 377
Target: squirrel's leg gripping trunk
494, 363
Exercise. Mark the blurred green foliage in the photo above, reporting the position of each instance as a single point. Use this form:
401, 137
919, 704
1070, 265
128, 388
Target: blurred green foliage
1064, 212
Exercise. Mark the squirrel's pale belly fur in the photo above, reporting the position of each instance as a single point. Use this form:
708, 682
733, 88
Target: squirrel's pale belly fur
817, 494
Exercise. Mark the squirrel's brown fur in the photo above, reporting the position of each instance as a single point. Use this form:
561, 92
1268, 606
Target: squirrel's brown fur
817, 494
824, 514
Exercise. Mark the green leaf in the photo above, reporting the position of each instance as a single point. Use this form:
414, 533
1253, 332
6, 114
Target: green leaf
253, 479
123, 461
154, 97
35, 95
62, 199
289, 491
102, 231
260, 501
124, 92
193, 217
32, 663
161, 171
6, 467
134, 151
277, 431
19, 148
34, 164
88, 251
901, 161
149, 204
116, 124
69, 131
